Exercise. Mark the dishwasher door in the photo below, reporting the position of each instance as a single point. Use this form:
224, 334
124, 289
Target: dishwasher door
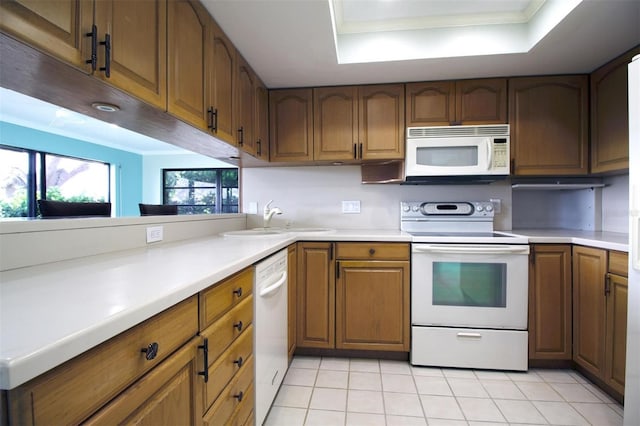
270, 330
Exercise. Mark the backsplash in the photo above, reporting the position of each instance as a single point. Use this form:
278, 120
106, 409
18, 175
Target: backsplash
312, 196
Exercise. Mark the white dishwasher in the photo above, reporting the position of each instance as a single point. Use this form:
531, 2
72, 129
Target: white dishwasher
270, 330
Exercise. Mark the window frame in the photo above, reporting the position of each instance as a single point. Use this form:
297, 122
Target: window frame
217, 208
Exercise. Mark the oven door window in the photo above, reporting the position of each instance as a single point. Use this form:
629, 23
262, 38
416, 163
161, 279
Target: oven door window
470, 284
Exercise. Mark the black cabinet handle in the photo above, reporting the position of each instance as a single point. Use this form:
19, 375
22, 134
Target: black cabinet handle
337, 270
213, 119
107, 55
93, 60
607, 285
239, 361
372, 251
239, 396
238, 325
355, 151
150, 351
361, 151
259, 144
241, 136
205, 351
238, 292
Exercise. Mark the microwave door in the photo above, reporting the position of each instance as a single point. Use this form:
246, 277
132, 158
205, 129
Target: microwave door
448, 156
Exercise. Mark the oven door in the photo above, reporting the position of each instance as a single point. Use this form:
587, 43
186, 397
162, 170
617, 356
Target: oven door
470, 285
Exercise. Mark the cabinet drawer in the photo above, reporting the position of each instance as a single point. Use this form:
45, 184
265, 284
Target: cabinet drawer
375, 251
618, 263
229, 403
226, 366
71, 392
228, 328
218, 299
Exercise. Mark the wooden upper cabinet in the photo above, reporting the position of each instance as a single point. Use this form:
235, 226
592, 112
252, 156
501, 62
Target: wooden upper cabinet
245, 106
291, 125
187, 48
56, 27
445, 103
222, 72
137, 62
335, 123
549, 125
381, 122
610, 115
359, 122
262, 121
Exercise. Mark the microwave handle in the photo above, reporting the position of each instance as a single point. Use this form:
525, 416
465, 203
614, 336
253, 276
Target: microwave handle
489, 153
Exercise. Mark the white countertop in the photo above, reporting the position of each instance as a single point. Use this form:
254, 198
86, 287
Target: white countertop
53, 312
50, 313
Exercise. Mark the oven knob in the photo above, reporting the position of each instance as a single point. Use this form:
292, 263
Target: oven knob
406, 208
489, 208
479, 208
416, 208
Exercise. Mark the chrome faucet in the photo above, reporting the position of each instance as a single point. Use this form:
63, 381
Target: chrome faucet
269, 212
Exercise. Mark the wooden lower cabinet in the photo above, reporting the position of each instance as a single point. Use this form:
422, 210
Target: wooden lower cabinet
600, 315
550, 322
353, 296
292, 265
168, 395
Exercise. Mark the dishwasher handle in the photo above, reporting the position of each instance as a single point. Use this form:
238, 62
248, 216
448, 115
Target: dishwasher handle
475, 249
265, 292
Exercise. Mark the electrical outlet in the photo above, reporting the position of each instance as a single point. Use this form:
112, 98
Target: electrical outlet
154, 234
351, 207
252, 208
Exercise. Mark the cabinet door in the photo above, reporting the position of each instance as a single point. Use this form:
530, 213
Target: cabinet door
589, 268
56, 27
262, 122
187, 46
550, 323
222, 73
169, 395
291, 125
246, 105
292, 272
616, 343
381, 122
316, 296
431, 103
372, 305
482, 101
138, 60
335, 123
549, 125
610, 116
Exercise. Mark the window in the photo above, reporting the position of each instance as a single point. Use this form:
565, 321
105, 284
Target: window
198, 191
26, 174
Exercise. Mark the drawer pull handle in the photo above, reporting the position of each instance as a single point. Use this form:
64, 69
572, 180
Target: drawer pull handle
239, 361
238, 325
372, 251
238, 292
205, 352
239, 396
470, 335
150, 351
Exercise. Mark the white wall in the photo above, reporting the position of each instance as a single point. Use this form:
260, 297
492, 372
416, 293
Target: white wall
312, 196
615, 204
152, 166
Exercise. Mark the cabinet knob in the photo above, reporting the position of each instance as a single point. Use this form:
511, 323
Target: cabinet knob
238, 325
238, 291
150, 351
239, 396
239, 361
372, 251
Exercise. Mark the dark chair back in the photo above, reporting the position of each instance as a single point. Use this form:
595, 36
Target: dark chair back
157, 209
50, 209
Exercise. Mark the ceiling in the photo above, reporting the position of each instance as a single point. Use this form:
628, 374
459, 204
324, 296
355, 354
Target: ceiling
291, 43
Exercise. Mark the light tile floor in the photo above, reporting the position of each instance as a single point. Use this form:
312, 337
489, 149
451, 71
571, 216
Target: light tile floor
366, 392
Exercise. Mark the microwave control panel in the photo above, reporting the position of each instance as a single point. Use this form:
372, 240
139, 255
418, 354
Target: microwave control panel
500, 153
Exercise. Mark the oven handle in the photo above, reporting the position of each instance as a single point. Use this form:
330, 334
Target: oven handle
480, 249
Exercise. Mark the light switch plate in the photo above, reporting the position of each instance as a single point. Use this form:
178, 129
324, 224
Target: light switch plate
154, 234
351, 206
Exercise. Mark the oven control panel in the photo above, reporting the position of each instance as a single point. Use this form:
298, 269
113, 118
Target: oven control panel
458, 209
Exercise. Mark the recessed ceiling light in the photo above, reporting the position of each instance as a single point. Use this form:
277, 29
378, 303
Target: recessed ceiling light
105, 107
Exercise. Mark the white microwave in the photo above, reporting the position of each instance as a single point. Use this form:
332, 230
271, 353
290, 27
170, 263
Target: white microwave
480, 152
